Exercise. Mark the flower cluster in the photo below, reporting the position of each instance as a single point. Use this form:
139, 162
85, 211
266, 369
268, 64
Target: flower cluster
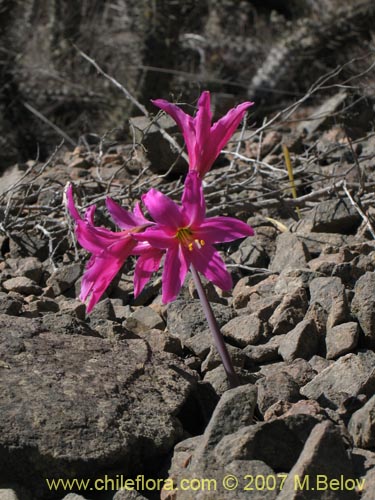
182, 234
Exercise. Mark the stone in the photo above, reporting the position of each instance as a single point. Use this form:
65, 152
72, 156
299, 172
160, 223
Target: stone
318, 363
363, 306
30, 267
333, 216
234, 410
362, 425
324, 454
288, 244
276, 387
87, 404
299, 369
102, 310
341, 339
326, 290
43, 305
301, 342
74, 496
22, 285
290, 312
8, 494
278, 443
330, 294
243, 291
350, 375
218, 380
317, 242
159, 151
213, 358
250, 253
66, 324
9, 305
65, 277
264, 353
244, 330
162, 341
186, 318
285, 408
200, 343
73, 307
128, 495
143, 319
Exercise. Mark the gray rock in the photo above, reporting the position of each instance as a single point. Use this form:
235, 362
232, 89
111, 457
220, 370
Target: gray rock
301, 342
22, 285
299, 369
362, 425
200, 343
319, 364
244, 291
87, 404
276, 387
244, 330
65, 277
8, 494
102, 310
363, 306
246, 471
350, 375
128, 495
264, 353
213, 358
234, 410
323, 457
290, 312
341, 339
251, 253
278, 443
162, 341
30, 267
316, 242
9, 305
65, 324
218, 379
288, 244
368, 483
74, 496
186, 318
333, 216
143, 319
324, 290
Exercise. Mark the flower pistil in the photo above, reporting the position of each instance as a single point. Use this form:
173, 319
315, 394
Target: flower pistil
186, 237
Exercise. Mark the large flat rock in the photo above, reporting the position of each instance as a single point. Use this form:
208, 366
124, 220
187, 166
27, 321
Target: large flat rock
72, 405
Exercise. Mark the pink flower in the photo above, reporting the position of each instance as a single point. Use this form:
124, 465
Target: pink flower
110, 249
203, 141
187, 237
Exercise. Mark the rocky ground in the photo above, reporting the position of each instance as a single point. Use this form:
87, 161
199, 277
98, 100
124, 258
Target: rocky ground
137, 387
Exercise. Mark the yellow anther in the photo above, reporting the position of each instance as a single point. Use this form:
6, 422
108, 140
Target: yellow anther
190, 247
202, 242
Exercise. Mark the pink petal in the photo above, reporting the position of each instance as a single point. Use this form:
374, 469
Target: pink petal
222, 229
70, 204
221, 132
176, 266
157, 237
162, 209
207, 261
146, 264
202, 123
101, 270
98, 239
184, 121
123, 218
193, 202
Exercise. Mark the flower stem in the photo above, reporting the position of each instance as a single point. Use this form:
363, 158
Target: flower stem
214, 327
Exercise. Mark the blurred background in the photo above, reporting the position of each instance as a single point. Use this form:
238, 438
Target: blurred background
268, 50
